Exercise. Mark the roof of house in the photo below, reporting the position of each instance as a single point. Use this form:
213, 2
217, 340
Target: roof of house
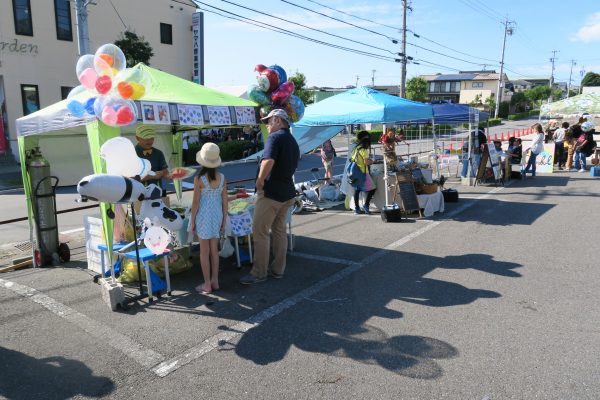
455, 77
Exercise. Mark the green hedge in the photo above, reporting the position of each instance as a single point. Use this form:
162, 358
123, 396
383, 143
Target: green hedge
514, 117
232, 150
534, 112
492, 122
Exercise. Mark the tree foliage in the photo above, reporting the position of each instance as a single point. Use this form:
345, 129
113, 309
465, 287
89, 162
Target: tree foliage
416, 89
300, 90
591, 79
135, 48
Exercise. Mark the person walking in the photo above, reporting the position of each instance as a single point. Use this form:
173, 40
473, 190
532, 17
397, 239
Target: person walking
360, 155
328, 154
559, 144
209, 213
275, 195
537, 146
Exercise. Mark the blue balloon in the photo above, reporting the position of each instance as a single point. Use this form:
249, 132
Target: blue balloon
297, 105
76, 108
89, 106
280, 73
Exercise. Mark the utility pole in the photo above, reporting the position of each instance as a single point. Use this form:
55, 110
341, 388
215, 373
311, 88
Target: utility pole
581, 74
508, 30
356, 81
552, 60
83, 34
573, 63
403, 59
373, 78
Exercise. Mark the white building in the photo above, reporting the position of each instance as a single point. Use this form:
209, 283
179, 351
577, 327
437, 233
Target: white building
39, 48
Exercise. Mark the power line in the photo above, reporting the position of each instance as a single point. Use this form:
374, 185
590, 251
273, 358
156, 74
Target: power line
481, 10
354, 16
264, 25
118, 15
394, 40
483, 5
442, 54
306, 26
448, 48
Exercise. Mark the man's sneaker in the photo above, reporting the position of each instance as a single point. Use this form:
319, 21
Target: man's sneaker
251, 279
573, 170
358, 211
365, 209
275, 275
581, 170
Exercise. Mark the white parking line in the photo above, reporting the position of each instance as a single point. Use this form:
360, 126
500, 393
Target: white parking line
215, 341
143, 356
71, 231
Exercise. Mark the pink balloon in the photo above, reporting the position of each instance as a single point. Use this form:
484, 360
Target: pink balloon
260, 68
283, 93
109, 116
88, 78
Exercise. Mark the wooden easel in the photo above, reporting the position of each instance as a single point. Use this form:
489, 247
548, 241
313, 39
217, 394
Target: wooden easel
485, 163
409, 202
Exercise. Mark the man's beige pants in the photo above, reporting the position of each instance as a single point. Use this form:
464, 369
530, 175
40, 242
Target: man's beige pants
269, 215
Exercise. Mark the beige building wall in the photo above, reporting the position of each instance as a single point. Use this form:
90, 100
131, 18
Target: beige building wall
49, 63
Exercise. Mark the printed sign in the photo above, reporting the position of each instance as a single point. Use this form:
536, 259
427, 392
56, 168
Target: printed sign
219, 115
155, 113
190, 115
245, 115
545, 160
196, 46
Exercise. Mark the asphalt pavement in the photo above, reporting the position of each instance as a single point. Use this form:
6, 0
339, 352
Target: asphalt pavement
493, 299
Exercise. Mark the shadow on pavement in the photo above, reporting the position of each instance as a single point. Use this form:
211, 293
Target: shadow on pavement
338, 322
26, 377
502, 213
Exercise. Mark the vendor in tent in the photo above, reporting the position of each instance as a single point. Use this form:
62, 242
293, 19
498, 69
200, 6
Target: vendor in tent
145, 137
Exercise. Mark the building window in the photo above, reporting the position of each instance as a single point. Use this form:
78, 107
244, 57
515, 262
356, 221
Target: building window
455, 87
30, 98
62, 12
431, 87
64, 91
166, 33
477, 84
22, 15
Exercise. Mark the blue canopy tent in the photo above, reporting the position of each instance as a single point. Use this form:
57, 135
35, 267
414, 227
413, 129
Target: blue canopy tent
444, 113
362, 105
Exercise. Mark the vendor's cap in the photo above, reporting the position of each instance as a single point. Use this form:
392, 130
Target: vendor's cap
587, 126
145, 132
277, 113
209, 156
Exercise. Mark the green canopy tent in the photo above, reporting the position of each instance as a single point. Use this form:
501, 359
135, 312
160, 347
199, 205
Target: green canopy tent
212, 108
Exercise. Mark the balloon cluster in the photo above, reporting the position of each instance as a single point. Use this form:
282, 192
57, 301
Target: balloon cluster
273, 90
107, 87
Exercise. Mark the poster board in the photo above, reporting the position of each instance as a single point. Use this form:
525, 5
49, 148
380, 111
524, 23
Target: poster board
545, 160
489, 163
408, 196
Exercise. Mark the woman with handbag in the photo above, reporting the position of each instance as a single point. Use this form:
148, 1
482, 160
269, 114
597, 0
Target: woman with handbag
360, 155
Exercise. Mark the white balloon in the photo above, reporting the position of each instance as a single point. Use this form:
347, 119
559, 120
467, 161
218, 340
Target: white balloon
156, 240
121, 158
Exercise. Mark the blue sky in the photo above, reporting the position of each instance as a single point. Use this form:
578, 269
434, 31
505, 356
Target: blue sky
472, 27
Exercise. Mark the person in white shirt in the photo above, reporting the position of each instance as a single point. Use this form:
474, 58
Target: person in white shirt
537, 146
559, 145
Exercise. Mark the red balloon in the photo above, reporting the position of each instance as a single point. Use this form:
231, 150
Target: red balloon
283, 93
259, 68
124, 115
272, 77
103, 84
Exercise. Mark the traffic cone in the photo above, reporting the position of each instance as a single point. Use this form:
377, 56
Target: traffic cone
502, 137
450, 148
495, 136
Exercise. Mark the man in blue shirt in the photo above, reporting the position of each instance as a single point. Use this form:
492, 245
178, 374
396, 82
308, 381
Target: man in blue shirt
275, 195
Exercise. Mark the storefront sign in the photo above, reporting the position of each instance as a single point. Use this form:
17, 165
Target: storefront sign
197, 47
15, 46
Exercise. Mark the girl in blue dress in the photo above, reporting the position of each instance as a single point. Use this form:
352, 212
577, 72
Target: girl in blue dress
209, 213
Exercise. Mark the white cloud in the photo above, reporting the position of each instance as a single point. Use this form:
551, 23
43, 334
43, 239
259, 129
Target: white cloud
590, 31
